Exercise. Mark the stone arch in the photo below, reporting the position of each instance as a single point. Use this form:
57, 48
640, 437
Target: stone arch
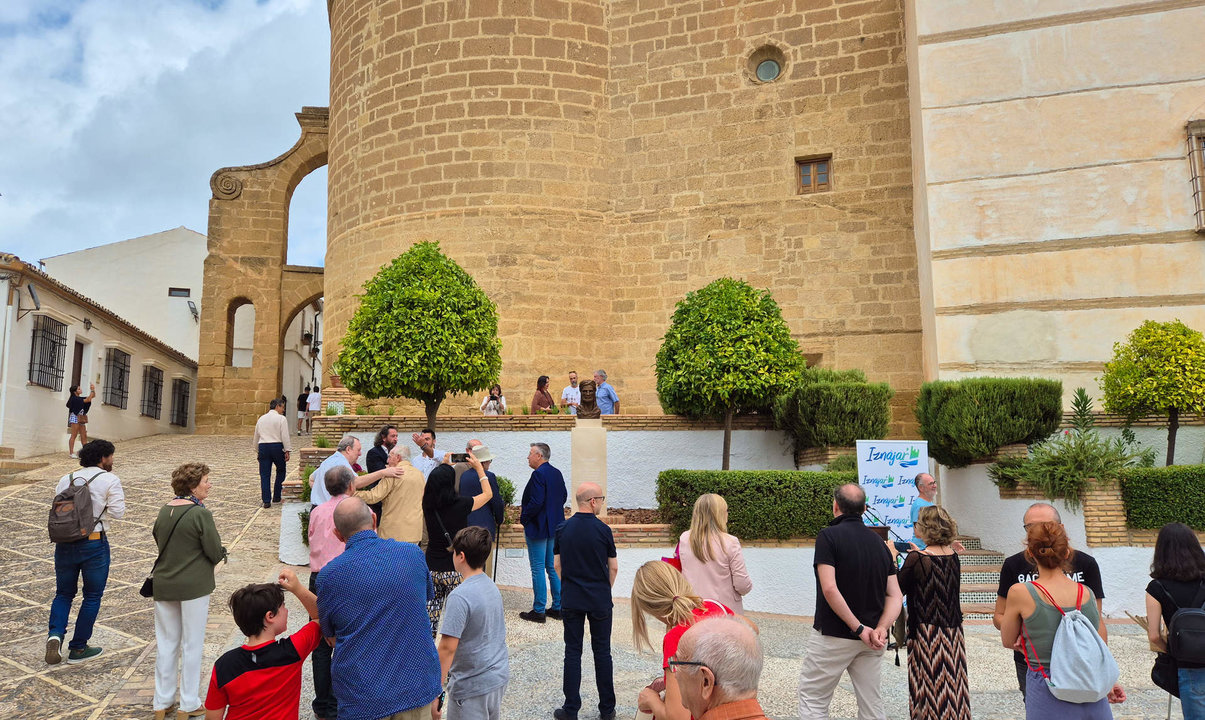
248, 242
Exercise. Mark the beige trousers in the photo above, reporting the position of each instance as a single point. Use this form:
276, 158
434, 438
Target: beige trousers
826, 659
418, 713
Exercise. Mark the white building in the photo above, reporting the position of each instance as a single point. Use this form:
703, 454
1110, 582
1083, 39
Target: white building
52, 337
153, 281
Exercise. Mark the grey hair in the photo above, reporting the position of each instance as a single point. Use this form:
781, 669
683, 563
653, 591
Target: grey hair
352, 516
346, 442
1057, 518
601, 373
916, 480
402, 450
736, 663
338, 479
545, 451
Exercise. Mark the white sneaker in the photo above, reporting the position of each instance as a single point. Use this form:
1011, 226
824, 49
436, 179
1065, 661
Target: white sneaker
73, 455
54, 650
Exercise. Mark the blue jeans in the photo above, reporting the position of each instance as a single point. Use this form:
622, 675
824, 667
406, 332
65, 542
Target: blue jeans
271, 454
89, 558
539, 554
600, 644
1192, 693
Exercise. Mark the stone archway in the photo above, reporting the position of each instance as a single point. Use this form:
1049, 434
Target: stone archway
248, 241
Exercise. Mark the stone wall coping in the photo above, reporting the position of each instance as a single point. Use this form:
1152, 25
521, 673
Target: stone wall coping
453, 423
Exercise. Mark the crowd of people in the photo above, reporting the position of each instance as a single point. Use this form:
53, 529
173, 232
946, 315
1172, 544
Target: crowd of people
543, 402
428, 638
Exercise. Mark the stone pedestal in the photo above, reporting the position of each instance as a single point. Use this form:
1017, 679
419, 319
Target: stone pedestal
588, 444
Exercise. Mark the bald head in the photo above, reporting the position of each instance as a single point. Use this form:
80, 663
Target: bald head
731, 650
352, 516
590, 498
1042, 512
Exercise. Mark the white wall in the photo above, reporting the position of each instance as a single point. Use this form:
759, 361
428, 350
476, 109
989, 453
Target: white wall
147, 266
783, 580
1124, 573
35, 418
634, 457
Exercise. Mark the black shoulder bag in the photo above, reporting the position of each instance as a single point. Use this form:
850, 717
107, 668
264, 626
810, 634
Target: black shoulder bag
148, 586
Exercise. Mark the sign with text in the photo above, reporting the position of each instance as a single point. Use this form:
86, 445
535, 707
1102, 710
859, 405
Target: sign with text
886, 470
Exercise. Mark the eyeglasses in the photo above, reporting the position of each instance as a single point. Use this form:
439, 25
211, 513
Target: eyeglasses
600, 497
675, 664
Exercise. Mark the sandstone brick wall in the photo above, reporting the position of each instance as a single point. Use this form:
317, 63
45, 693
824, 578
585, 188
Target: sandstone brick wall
591, 162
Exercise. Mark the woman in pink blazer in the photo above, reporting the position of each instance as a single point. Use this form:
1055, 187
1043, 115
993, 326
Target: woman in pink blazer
711, 558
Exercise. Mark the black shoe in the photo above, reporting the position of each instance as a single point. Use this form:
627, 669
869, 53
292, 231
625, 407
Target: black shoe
607, 716
563, 714
267, 505
533, 616
276, 500
554, 614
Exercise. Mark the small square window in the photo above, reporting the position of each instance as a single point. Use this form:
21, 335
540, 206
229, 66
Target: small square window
814, 174
178, 292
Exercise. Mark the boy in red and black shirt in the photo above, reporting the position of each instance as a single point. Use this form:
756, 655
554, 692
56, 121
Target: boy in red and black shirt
262, 679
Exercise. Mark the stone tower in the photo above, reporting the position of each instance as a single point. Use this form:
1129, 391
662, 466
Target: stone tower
590, 162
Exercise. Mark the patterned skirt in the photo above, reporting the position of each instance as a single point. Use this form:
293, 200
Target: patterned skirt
937, 674
445, 583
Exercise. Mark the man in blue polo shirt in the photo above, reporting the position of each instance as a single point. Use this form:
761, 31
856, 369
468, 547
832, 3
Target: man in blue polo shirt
605, 395
586, 561
359, 605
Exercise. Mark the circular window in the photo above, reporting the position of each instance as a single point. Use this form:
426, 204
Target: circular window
766, 64
768, 70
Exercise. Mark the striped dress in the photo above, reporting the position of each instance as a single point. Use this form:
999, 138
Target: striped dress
937, 659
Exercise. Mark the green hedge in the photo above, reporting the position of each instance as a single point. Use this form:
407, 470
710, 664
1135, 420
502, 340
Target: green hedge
968, 419
833, 408
1154, 497
762, 504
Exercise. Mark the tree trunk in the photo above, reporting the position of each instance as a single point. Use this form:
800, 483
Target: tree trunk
1173, 424
432, 407
727, 437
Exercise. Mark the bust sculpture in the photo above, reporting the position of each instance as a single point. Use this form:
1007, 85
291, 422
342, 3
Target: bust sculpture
588, 409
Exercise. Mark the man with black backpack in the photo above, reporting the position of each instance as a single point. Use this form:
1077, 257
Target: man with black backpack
84, 502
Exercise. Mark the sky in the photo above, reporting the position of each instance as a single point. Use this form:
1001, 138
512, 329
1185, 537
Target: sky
114, 113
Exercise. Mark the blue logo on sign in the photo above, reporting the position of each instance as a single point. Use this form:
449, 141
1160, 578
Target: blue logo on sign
906, 458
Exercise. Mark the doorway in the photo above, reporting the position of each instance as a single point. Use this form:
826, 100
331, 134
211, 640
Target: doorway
77, 363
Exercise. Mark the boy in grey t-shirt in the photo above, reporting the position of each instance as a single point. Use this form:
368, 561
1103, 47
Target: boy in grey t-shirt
473, 658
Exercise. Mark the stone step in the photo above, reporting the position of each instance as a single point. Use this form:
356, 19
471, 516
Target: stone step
985, 574
978, 611
970, 542
7, 453
10, 467
980, 558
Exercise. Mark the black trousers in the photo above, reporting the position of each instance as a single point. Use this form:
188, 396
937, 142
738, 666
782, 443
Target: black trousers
600, 644
271, 454
324, 705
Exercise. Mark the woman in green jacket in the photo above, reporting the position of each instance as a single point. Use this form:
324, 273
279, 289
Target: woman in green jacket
189, 548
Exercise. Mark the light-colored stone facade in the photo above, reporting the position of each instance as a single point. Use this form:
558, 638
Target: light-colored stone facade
1054, 204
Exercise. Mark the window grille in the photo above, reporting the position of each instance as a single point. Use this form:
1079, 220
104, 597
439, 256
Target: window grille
152, 391
48, 354
180, 402
117, 378
1196, 162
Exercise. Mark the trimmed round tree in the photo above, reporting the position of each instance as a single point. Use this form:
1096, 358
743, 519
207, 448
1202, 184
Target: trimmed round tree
727, 350
424, 329
1160, 370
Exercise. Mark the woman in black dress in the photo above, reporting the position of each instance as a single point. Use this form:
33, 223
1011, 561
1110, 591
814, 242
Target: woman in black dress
77, 406
937, 658
447, 513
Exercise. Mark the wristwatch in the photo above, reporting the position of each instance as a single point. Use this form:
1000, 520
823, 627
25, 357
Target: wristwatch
858, 632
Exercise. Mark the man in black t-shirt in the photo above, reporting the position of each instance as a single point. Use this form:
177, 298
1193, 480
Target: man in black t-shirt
585, 559
303, 401
1018, 569
857, 600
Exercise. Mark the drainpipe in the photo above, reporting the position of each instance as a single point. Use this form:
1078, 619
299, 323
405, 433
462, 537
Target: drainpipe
6, 285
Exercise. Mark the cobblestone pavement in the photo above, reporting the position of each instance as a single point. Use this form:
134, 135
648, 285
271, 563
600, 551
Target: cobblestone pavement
119, 683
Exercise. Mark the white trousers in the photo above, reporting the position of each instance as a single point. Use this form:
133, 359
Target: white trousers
826, 659
180, 639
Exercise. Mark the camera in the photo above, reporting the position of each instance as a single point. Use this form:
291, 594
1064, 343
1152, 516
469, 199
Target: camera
460, 457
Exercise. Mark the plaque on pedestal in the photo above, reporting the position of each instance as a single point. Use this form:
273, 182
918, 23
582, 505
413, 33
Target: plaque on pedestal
588, 445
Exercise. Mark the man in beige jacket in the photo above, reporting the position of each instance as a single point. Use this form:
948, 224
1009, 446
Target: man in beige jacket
401, 499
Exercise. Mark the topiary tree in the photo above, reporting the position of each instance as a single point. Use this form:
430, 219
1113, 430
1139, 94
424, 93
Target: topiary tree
423, 330
727, 350
1160, 370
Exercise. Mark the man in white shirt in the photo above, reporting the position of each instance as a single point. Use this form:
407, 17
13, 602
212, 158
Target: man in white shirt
428, 458
346, 453
571, 396
88, 557
313, 407
271, 440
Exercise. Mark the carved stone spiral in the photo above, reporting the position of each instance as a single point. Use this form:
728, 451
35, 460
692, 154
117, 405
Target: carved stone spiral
226, 186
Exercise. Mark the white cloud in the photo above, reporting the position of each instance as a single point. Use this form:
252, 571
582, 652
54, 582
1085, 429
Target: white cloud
113, 120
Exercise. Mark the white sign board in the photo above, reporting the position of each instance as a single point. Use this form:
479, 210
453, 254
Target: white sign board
886, 470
